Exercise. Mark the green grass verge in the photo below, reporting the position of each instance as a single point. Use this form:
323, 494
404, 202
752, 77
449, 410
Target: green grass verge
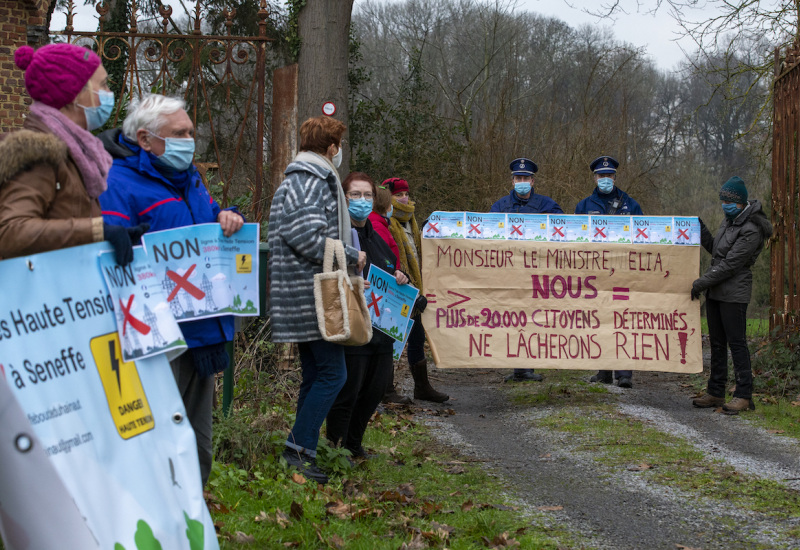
415, 491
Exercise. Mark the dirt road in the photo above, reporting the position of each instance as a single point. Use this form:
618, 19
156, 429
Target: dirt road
615, 468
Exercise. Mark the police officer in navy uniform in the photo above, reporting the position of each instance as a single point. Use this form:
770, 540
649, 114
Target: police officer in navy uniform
608, 199
522, 200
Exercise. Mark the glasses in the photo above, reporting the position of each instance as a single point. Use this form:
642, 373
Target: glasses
356, 196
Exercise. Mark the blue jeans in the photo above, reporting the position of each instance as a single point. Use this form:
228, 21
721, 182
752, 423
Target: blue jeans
324, 374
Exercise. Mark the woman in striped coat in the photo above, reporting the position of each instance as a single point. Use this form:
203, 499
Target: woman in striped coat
308, 207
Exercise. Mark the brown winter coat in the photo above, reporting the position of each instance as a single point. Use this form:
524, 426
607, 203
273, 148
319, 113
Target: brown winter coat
43, 201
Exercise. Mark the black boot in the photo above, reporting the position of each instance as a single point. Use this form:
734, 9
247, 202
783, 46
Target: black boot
391, 395
422, 388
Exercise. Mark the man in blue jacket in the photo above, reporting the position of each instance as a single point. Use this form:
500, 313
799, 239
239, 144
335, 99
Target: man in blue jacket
153, 180
522, 200
608, 199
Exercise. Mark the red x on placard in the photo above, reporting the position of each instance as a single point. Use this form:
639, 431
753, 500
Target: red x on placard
683, 233
141, 327
599, 231
641, 233
516, 229
557, 230
474, 227
374, 303
432, 225
183, 283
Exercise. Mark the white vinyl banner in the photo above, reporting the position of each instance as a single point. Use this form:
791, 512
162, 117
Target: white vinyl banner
115, 431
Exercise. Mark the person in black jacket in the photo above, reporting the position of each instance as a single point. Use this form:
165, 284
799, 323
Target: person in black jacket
369, 367
728, 283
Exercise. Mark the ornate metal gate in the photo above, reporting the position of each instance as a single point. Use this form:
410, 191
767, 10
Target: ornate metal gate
221, 77
784, 246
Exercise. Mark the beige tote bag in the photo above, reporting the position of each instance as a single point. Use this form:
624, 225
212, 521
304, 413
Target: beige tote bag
342, 312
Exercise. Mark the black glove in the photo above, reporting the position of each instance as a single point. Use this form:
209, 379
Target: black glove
696, 291
419, 305
702, 225
136, 233
120, 239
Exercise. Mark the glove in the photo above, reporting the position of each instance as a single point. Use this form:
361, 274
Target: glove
702, 225
419, 305
696, 291
136, 233
120, 239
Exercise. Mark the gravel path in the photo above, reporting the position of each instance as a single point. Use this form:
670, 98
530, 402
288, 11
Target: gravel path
611, 507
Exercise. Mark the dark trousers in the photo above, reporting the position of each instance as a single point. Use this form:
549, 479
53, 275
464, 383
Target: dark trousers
727, 325
618, 373
416, 342
198, 400
368, 377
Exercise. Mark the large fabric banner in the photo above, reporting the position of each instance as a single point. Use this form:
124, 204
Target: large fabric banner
116, 432
560, 305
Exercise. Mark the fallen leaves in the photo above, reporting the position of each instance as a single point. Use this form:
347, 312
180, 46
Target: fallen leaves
299, 478
503, 540
640, 467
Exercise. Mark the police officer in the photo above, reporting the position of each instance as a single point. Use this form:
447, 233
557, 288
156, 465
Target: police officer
608, 199
522, 200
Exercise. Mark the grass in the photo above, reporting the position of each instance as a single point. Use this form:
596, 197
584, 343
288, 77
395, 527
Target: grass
415, 493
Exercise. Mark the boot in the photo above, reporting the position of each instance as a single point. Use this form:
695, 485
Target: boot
738, 404
708, 401
422, 388
603, 376
391, 395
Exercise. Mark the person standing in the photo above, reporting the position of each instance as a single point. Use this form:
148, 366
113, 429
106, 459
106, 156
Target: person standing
369, 367
403, 227
380, 218
728, 284
608, 199
523, 200
308, 207
153, 180
53, 170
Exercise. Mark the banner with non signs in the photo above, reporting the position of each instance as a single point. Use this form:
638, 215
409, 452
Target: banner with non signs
115, 431
562, 305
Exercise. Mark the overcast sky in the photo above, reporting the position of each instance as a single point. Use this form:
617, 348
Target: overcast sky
657, 33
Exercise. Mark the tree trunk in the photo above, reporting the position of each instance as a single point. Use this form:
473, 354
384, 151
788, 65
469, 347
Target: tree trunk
324, 27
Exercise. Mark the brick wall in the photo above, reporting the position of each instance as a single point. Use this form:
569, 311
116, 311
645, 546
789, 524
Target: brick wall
17, 18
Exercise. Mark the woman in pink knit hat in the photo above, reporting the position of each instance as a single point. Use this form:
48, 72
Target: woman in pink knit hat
53, 170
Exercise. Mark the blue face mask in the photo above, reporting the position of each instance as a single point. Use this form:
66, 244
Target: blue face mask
522, 187
97, 116
178, 153
731, 209
605, 185
359, 209
390, 212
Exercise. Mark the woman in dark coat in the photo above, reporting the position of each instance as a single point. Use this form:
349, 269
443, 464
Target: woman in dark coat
369, 367
728, 284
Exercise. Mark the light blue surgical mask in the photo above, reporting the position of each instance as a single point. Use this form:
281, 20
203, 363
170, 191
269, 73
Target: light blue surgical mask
605, 185
359, 209
178, 153
390, 212
731, 210
97, 116
522, 187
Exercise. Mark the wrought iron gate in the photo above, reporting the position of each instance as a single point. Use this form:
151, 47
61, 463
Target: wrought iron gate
784, 246
221, 77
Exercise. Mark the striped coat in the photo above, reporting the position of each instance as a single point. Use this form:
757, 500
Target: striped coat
304, 212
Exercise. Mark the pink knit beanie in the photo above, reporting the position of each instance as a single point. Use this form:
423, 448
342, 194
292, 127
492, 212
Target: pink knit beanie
55, 74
